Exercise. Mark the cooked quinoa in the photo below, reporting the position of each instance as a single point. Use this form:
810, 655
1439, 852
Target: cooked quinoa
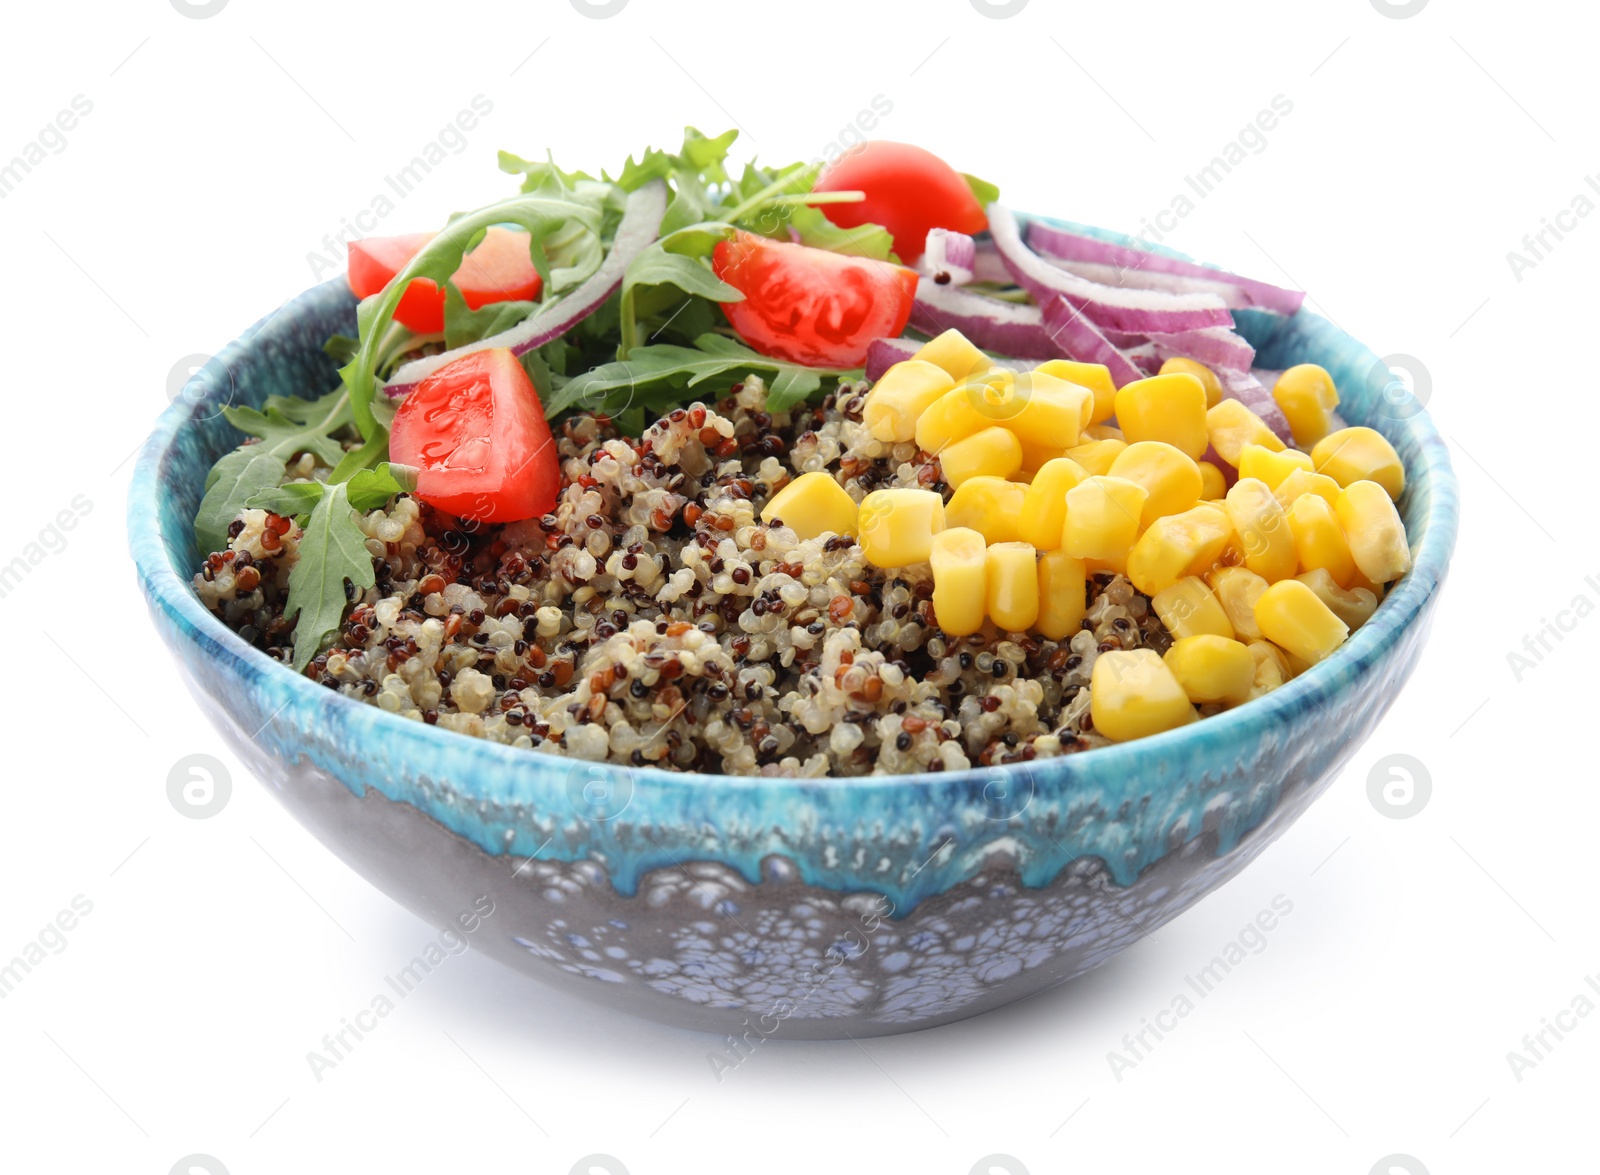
653, 620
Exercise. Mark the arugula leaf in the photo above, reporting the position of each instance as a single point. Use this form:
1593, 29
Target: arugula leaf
538, 373
541, 176
793, 385
463, 325
341, 348
371, 488
332, 550
706, 156
362, 457
649, 371
233, 481
867, 240
655, 266
986, 192
652, 165
367, 490
541, 216
288, 425
291, 500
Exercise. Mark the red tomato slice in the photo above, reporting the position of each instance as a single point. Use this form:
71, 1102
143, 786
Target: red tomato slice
811, 306
500, 269
476, 433
908, 190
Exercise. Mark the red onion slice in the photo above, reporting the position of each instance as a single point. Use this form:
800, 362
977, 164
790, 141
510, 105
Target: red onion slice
1004, 328
883, 354
1215, 347
1146, 357
1080, 339
1249, 391
948, 255
641, 222
1139, 265
1134, 311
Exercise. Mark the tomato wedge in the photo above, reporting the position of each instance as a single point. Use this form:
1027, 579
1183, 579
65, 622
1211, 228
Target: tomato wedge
476, 434
500, 269
909, 191
808, 305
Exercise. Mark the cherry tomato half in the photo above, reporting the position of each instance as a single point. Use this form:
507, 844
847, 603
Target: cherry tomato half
908, 190
811, 306
476, 433
498, 270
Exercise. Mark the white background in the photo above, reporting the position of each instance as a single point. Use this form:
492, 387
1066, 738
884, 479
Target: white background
219, 153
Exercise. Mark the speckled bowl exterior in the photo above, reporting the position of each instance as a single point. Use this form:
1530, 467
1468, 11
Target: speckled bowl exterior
800, 908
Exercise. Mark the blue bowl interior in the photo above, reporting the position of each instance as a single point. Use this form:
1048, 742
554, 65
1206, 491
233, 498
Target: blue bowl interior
1126, 805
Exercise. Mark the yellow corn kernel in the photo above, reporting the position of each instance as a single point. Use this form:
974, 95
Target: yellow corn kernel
1213, 484
1034, 457
813, 504
989, 505
1361, 581
1169, 476
1306, 396
1011, 582
900, 396
1238, 589
1190, 608
1104, 432
896, 527
1272, 668
1319, 540
1231, 426
994, 452
1132, 694
1061, 594
1094, 376
958, 580
1271, 466
950, 418
1102, 519
951, 352
1044, 506
1355, 606
1208, 378
1096, 456
1300, 482
1036, 406
1360, 454
1263, 530
1212, 668
1190, 543
1373, 528
1169, 408
1290, 616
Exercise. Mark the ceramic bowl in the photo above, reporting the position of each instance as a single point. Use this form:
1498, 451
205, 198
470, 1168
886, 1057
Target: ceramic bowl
756, 907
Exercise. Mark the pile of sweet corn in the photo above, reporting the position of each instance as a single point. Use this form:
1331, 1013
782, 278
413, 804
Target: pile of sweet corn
1259, 558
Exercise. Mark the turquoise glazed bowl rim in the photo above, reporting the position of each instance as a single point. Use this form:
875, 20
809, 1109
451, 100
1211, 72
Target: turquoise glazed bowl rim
485, 772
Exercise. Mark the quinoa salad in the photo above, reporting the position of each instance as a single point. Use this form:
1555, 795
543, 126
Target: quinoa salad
800, 495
